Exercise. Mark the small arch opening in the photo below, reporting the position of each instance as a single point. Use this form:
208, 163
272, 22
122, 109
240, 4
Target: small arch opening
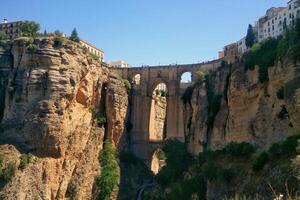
136, 79
186, 80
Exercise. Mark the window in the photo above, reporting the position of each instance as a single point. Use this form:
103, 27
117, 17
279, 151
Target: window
273, 27
269, 30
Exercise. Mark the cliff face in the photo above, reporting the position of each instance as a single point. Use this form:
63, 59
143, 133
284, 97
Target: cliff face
48, 99
245, 109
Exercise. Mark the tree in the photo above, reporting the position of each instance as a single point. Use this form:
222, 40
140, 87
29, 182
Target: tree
29, 28
250, 38
2, 35
45, 32
74, 36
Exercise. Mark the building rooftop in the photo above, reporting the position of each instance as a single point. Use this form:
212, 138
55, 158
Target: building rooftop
91, 45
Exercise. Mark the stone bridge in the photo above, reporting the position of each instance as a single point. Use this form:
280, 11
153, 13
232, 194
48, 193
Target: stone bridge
150, 77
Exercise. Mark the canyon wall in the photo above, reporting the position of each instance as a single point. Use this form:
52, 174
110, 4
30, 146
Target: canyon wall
50, 97
233, 105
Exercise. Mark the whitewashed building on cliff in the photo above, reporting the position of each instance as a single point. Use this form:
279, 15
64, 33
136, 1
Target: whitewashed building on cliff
277, 20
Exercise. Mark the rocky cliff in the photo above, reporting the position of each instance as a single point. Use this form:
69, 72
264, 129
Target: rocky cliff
51, 96
236, 106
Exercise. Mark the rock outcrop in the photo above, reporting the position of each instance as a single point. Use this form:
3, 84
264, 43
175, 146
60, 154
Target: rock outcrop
247, 109
48, 98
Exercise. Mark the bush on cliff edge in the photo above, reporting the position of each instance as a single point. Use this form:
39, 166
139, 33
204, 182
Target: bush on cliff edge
110, 174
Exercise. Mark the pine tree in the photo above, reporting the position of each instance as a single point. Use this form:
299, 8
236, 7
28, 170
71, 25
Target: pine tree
250, 38
74, 36
45, 32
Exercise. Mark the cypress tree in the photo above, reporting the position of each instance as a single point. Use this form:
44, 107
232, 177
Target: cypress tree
250, 38
74, 36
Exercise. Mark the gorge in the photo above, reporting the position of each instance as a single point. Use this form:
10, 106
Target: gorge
58, 105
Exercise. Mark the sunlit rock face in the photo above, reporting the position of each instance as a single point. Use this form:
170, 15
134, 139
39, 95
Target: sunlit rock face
248, 110
47, 103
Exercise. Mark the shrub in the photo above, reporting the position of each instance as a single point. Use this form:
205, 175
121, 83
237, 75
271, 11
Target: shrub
177, 161
262, 54
2, 35
286, 147
200, 76
212, 171
214, 102
109, 171
127, 85
259, 162
29, 28
58, 33
9, 171
94, 56
208, 155
24, 160
58, 41
161, 155
32, 48
280, 93
239, 149
101, 121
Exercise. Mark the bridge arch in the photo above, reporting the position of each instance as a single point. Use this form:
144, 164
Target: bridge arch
141, 101
186, 78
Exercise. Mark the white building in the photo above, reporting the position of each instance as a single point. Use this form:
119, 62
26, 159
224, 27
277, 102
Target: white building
119, 64
242, 48
277, 20
92, 49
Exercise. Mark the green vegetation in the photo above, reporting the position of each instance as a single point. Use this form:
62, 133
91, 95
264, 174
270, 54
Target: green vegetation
127, 85
182, 178
250, 37
110, 174
9, 171
214, 103
58, 41
94, 56
58, 33
2, 36
161, 154
177, 160
262, 54
25, 159
32, 48
6, 171
74, 36
242, 149
200, 76
267, 52
260, 161
101, 120
29, 28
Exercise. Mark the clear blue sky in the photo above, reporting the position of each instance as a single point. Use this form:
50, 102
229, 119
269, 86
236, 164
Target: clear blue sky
146, 32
